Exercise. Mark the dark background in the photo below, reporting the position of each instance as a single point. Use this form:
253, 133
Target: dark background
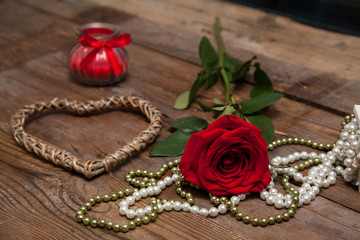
341, 16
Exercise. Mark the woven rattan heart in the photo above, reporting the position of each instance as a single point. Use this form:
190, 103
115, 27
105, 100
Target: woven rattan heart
61, 157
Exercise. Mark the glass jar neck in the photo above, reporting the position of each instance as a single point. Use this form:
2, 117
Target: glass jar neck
99, 31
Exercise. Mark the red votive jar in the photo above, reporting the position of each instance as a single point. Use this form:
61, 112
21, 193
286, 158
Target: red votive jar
99, 58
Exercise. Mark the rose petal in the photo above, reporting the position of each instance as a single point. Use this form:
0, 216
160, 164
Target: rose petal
229, 157
195, 150
231, 122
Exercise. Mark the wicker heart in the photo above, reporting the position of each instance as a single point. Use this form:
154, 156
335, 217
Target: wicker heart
61, 157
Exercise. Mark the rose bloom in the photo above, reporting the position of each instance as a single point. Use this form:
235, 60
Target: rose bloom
228, 157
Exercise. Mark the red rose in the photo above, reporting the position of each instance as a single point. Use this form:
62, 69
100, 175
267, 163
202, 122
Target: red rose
228, 157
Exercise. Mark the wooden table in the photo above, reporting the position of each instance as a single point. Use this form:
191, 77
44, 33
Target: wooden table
316, 70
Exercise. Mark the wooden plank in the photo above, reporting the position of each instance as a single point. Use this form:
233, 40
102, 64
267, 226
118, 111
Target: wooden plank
255, 30
38, 200
297, 82
294, 81
291, 117
174, 225
21, 42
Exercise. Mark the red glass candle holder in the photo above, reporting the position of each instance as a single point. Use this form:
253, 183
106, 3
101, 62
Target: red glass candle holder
99, 58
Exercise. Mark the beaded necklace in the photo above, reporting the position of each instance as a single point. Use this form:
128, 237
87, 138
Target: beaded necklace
341, 159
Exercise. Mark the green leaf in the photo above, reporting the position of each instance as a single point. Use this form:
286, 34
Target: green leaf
211, 79
259, 102
208, 56
199, 82
264, 124
220, 108
190, 123
263, 83
241, 70
182, 101
230, 63
204, 107
217, 101
229, 110
172, 146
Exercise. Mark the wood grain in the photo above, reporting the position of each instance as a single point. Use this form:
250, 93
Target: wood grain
295, 81
38, 200
256, 31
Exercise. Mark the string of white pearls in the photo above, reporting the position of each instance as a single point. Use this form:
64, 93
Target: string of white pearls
221, 209
345, 150
318, 176
273, 197
169, 205
143, 193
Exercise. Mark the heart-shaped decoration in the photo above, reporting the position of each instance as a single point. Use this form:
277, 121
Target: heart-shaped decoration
61, 157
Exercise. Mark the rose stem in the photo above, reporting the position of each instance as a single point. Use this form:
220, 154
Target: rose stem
228, 93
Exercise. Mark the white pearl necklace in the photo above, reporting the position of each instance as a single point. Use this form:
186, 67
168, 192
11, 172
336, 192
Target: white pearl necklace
145, 192
346, 149
169, 206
